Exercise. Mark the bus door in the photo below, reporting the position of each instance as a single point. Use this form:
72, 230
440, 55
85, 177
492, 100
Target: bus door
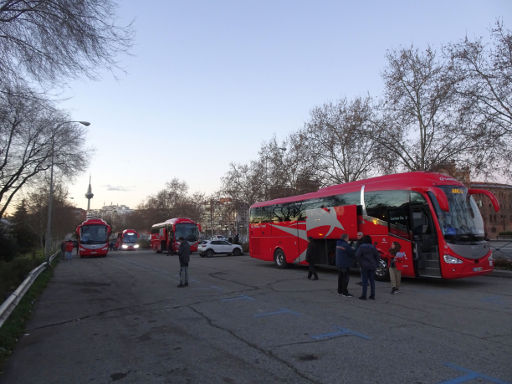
400, 231
259, 233
425, 248
285, 231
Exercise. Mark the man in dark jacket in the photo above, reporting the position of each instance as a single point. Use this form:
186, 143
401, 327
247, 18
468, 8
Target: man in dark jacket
344, 259
184, 255
368, 258
311, 258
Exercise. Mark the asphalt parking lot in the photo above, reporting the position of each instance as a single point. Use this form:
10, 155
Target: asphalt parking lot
122, 318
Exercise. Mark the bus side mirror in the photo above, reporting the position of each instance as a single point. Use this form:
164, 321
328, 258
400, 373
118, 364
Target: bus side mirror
490, 195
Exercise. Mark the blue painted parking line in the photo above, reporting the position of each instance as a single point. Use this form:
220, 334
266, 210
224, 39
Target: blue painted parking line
470, 376
340, 332
494, 299
241, 297
279, 312
217, 288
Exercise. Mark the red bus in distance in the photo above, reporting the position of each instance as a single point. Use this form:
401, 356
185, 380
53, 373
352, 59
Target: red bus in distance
92, 237
433, 217
165, 236
127, 240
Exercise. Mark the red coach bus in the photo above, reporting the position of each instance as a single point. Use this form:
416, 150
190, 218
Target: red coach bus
93, 237
432, 216
166, 235
127, 240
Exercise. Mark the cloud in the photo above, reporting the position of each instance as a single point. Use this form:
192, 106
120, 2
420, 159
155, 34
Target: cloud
118, 188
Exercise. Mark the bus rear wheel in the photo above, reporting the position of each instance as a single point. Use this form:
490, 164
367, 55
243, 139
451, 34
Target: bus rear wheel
280, 258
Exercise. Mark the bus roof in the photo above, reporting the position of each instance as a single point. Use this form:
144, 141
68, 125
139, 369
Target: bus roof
403, 181
174, 220
94, 221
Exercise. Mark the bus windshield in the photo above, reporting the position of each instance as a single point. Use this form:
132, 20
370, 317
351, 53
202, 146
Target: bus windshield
130, 237
188, 231
463, 222
93, 234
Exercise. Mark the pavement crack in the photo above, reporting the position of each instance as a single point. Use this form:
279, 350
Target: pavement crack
267, 353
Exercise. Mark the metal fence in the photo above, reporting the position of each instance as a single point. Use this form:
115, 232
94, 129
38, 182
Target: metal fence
13, 300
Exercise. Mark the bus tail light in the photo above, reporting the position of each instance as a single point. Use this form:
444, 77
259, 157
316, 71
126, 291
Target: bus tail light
451, 260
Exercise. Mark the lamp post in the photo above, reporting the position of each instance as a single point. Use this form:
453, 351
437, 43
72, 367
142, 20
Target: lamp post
48, 236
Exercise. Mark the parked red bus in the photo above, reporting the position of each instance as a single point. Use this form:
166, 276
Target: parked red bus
93, 235
432, 216
127, 240
166, 235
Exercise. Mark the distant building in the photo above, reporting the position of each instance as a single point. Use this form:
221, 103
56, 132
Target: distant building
110, 210
495, 222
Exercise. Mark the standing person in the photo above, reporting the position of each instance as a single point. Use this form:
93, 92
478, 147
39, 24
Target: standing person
69, 249
311, 258
344, 259
395, 274
368, 258
184, 256
359, 241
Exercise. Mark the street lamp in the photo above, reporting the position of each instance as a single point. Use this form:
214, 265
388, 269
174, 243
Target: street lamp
47, 240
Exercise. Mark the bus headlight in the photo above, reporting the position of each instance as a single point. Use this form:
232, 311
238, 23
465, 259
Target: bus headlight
136, 246
124, 246
452, 260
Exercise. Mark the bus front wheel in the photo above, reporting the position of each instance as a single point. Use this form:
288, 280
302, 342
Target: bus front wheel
280, 258
382, 271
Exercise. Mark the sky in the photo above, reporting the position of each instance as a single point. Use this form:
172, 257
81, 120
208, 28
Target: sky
207, 82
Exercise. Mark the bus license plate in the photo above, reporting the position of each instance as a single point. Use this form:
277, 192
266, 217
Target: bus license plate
477, 269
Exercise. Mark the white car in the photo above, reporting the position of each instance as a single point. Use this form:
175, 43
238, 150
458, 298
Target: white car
209, 248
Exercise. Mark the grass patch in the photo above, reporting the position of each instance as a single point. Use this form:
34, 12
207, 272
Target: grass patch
14, 326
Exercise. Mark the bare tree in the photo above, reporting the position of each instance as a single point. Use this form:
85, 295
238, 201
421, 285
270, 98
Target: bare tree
37, 207
243, 183
486, 73
46, 39
172, 201
422, 124
33, 136
485, 89
339, 140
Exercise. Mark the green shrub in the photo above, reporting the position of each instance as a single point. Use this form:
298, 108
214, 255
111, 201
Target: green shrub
506, 233
12, 273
